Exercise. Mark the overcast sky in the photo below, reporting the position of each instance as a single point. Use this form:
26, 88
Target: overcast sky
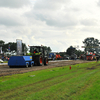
55, 23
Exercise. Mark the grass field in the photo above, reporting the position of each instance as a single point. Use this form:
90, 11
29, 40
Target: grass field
80, 83
5, 62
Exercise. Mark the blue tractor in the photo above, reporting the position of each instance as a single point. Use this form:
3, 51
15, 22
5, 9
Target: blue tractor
52, 56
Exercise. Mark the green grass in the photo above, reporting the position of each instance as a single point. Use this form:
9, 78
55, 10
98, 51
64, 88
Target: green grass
5, 62
80, 83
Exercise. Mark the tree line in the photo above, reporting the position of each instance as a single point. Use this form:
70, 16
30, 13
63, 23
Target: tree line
71, 50
90, 45
12, 46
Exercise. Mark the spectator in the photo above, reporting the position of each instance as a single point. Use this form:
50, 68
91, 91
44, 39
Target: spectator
97, 58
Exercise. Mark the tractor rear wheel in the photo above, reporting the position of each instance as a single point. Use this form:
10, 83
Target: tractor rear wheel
40, 61
46, 61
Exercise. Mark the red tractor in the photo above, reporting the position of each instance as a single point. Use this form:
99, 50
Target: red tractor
90, 56
58, 57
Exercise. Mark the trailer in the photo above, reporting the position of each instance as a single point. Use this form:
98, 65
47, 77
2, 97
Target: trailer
19, 61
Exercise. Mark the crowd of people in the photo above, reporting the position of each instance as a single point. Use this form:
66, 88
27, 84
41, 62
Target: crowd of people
4, 57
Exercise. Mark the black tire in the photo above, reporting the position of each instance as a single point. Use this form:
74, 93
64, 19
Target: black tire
27, 65
40, 63
10, 66
32, 65
46, 61
36, 60
39, 60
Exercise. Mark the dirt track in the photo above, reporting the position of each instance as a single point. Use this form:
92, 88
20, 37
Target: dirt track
5, 70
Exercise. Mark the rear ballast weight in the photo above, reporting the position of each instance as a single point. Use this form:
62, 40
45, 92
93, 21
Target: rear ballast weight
18, 61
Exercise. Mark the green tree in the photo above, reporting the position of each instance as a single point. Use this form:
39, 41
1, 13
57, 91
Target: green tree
2, 42
12, 45
91, 45
79, 52
48, 49
70, 50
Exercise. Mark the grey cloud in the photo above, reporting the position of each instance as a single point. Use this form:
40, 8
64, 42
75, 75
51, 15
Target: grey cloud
52, 13
75, 9
49, 4
98, 3
89, 22
61, 22
8, 21
58, 21
13, 3
91, 29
